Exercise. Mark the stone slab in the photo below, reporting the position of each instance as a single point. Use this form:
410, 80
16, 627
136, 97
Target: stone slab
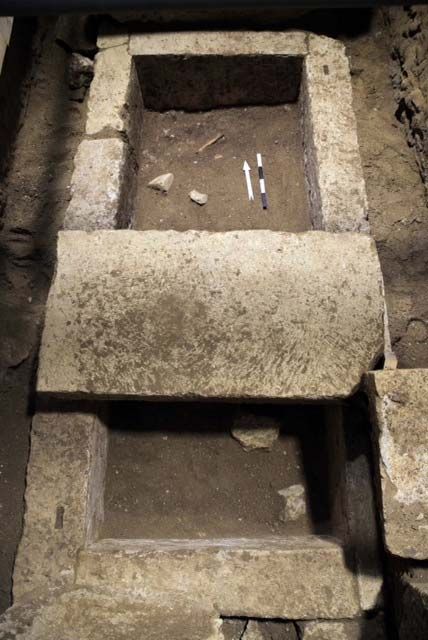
353, 506
100, 186
333, 164
363, 629
115, 103
222, 43
246, 314
63, 498
399, 402
83, 614
242, 577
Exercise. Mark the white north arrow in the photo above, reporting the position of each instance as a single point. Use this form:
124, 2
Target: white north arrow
246, 168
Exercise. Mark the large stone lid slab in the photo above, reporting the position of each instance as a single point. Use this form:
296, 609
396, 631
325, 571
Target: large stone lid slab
295, 578
246, 314
399, 401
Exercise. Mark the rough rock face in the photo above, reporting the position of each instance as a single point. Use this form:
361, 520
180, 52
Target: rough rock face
223, 575
399, 402
294, 502
84, 614
364, 629
254, 431
409, 26
226, 315
266, 630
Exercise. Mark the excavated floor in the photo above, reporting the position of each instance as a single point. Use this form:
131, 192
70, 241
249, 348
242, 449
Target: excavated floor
170, 144
175, 471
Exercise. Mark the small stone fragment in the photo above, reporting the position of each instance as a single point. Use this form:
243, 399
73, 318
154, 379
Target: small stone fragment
199, 198
162, 183
80, 71
254, 431
251, 439
295, 504
268, 630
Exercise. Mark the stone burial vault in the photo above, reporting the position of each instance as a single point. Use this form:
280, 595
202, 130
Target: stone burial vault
258, 316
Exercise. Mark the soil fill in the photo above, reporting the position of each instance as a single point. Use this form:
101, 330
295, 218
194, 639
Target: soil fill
175, 471
171, 141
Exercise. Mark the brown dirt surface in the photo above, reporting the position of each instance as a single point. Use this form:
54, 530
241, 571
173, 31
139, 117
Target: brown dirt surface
170, 144
175, 471
35, 195
398, 211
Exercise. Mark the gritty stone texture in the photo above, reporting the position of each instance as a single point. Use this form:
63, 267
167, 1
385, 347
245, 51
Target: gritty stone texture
115, 103
399, 403
82, 614
199, 198
63, 497
333, 164
353, 507
174, 68
294, 502
101, 186
224, 575
80, 71
257, 438
265, 630
221, 43
111, 35
364, 629
188, 315
162, 183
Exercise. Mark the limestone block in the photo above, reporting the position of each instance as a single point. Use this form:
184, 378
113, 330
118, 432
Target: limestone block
363, 629
353, 507
115, 102
266, 630
399, 403
205, 70
64, 497
221, 43
82, 614
242, 577
111, 34
333, 164
245, 314
101, 186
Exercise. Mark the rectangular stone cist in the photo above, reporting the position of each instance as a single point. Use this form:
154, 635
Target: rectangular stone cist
250, 315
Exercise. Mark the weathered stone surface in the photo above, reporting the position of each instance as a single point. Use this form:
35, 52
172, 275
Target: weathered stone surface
80, 71
255, 430
225, 575
294, 502
265, 630
101, 186
115, 103
364, 629
230, 315
399, 401
83, 614
256, 438
204, 70
333, 163
223, 43
353, 507
198, 197
162, 183
63, 497
112, 35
